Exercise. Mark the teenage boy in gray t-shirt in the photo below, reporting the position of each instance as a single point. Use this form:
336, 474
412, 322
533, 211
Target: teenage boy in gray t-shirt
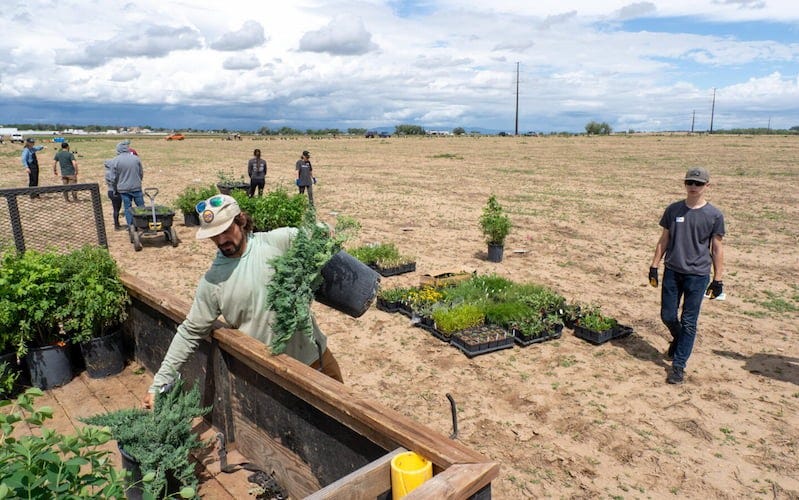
691, 241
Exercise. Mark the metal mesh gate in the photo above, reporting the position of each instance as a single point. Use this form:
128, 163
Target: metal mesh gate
39, 218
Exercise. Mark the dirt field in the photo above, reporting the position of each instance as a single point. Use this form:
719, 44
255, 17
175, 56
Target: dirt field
564, 418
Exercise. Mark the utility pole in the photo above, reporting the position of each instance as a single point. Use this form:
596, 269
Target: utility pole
712, 110
693, 119
517, 99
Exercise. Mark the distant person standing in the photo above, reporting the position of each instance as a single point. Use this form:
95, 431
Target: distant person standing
305, 178
69, 168
691, 241
256, 169
126, 179
116, 199
30, 163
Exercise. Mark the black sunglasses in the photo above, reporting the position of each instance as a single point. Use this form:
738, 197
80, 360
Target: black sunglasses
695, 183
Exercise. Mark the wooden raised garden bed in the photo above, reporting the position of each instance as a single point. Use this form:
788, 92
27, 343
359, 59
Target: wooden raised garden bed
321, 438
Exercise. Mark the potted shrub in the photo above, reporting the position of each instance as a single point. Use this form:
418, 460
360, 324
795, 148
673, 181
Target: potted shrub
275, 209
31, 295
227, 183
96, 305
156, 444
495, 225
43, 463
315, 267
188, 199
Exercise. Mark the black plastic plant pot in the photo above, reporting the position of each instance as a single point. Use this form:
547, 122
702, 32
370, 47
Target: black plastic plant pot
191, 219
103, 355
134, 490
49, 366
348, 285
495, 252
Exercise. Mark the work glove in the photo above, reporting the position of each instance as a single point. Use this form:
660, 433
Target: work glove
715, 290
653, 276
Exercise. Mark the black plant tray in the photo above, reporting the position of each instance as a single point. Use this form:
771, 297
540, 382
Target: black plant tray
601, 337
525, 341
462, 340
428, 325
393, 271
405, 310
389, 307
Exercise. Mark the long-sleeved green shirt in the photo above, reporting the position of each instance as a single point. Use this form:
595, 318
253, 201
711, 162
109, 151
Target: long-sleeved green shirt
236, 289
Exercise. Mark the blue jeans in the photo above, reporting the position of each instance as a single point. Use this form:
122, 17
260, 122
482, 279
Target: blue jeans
691, 289
127, 201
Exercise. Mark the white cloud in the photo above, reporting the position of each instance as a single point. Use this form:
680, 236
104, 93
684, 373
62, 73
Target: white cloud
344, 35
250, 35
239, 62
379, 62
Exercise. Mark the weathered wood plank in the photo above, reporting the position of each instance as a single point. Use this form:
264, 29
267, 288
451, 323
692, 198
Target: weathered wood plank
369, 481
457, 482
270, 456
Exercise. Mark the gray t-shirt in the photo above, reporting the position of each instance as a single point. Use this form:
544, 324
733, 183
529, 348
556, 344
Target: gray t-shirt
690, 234
305, 172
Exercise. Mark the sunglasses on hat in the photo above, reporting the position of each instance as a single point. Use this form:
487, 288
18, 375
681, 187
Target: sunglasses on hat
214, 201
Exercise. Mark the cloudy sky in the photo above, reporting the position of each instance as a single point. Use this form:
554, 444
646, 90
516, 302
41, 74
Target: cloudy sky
239, 64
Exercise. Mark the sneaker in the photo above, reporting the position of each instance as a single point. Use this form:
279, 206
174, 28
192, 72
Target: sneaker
672, 348
677, 376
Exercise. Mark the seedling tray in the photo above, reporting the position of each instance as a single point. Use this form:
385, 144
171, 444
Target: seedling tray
601, 337
389, 307
393, 271
482, 340
526, 341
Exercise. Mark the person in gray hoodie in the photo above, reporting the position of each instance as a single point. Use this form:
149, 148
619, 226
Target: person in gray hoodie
126, 179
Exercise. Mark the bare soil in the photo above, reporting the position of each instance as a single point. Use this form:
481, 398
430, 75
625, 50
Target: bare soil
564, 418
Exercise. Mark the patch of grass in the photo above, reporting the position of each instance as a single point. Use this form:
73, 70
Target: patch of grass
778, 304
448, 156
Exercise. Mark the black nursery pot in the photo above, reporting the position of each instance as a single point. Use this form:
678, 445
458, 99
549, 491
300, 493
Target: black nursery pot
49, 366
495, 252
348, 285
134, 490
103, 355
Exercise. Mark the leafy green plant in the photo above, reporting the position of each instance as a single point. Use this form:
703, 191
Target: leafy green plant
494, 223
538, 326
8, 377
229, 180
459, 317
541, 298
478, 289
592, 319
385, 255
396, 294
298, 275
31, 295
160, 439
507, 313
192, 195
275, 209
96, 299
145, 211
42, 463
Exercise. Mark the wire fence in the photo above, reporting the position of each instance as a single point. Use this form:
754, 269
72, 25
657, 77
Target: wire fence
59, 218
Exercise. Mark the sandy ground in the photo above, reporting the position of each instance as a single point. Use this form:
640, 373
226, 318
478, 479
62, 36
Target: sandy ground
564, 418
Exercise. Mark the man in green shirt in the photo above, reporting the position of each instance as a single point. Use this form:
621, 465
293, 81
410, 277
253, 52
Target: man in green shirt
69, 168
236, 287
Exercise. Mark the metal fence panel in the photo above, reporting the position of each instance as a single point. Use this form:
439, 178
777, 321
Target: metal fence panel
39, 218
